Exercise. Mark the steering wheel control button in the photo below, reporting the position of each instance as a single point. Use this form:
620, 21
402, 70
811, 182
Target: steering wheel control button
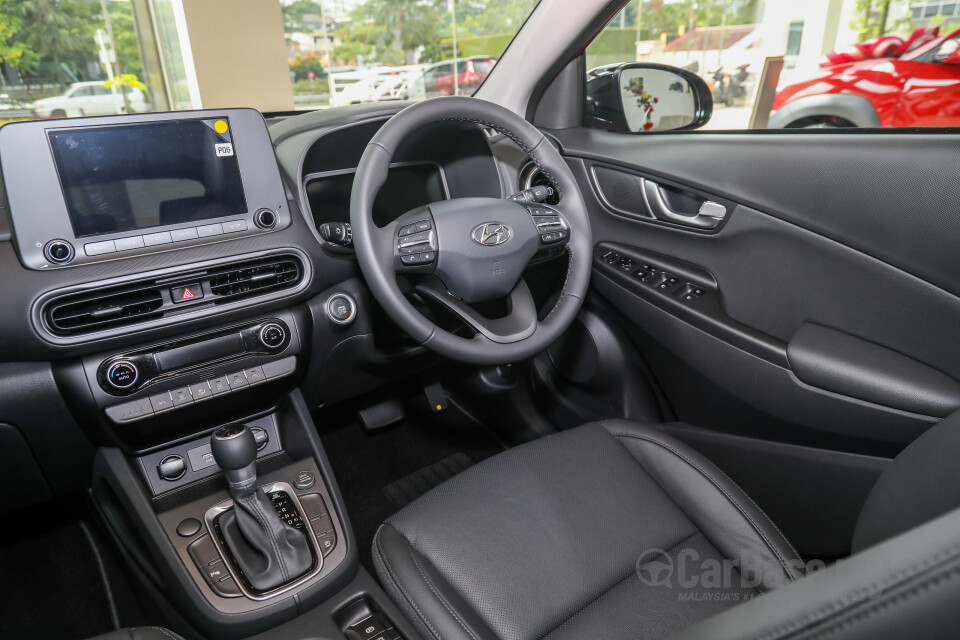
130, 411
416, 227
186, 293
265, 219
172, 468
304, 480
122, 375
58, 251
272, 335
188, 527
342, 309
161, 402
181, 396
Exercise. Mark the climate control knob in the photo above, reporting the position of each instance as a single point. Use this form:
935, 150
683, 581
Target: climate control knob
122, 375
272, 335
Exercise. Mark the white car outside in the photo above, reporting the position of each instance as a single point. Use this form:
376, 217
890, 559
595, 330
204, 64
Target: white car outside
89, 99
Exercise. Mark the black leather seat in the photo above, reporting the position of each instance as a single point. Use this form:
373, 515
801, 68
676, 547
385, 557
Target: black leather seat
611, 530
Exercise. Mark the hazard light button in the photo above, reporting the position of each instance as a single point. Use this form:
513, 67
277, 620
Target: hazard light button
187, 293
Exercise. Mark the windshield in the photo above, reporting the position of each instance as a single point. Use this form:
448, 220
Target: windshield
69, 58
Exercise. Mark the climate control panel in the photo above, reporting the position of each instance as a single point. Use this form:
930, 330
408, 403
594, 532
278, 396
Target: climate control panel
127, 373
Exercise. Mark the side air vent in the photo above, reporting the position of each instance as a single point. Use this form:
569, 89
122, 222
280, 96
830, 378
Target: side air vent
255, 278
82, 312
531, 176
104, 308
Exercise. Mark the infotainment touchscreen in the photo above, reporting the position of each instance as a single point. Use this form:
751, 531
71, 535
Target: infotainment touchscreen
133, 176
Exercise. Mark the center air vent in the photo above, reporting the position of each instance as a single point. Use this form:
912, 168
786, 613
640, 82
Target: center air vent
97, 309
255, 278
82, 313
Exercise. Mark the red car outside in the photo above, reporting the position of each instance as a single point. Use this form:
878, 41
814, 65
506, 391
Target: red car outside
921, 88
471, 72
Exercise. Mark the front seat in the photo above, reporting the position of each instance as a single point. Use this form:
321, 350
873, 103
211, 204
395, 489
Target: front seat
616, 530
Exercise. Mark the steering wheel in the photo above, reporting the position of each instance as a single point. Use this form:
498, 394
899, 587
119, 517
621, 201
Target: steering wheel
467, 251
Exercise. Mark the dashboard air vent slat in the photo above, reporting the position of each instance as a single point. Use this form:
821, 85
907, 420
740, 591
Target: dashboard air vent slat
86, 312
255, 278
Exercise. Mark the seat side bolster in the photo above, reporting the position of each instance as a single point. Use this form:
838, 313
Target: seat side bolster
906, 587
425, 596
726, 515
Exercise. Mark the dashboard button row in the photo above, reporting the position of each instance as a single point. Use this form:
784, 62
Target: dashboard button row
164, 237
169, 400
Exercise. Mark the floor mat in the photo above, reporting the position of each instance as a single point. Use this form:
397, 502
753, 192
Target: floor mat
54, 586
365, 463
407, 489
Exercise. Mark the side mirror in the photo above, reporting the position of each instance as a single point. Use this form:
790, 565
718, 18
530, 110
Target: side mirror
639, 97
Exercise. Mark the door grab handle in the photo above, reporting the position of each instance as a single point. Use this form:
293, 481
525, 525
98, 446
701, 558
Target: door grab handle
710, 215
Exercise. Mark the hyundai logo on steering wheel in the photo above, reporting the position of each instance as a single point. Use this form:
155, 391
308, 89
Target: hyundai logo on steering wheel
491, 234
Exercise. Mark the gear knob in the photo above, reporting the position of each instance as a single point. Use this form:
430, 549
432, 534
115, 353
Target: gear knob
235, 451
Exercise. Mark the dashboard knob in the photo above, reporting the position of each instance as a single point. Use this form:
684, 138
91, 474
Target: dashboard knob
272, 335
265, 218
122, 375
58, 251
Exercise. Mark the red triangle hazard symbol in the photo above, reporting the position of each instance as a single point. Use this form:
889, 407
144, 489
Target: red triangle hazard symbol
187, 294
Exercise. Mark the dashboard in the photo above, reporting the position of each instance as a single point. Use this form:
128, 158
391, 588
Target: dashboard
145, 254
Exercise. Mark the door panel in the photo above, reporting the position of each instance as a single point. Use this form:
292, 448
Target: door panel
856, 234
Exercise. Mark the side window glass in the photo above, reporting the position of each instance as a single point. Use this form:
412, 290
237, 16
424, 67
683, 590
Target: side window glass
780, 64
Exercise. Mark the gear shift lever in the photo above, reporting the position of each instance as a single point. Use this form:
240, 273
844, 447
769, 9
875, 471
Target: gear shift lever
268, 551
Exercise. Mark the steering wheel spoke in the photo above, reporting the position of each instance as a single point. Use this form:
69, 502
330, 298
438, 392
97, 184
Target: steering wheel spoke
520, 321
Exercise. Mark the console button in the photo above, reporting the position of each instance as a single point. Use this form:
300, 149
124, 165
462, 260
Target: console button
188, 527
122, 375
321, 524
327, 541
370, 629
313, 505
215, 571
99, 248
219, 385
172, 468
227, 588
234, 226
179, 235
203, 551
181, 396
341, 308
153, 239
255, 375
237, 380
126, 244
186, 293
58, 251
129, 411
201, 391
303, 481
207, 230
161, 402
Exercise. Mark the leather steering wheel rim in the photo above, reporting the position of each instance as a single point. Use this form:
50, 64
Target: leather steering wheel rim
375, 246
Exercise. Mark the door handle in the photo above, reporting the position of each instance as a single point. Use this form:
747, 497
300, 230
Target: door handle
709, 216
